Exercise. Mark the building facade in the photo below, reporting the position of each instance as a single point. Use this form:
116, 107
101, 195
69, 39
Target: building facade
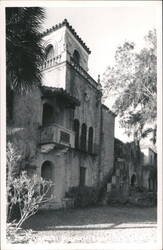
127, 169
134, 167
65, 133
149, 168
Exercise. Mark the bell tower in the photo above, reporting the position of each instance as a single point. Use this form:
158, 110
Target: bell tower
63, 46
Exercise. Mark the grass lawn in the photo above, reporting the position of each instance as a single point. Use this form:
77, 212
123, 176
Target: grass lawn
95, 225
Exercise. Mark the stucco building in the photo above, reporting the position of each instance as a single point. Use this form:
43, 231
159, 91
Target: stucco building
127, 167
149, 167
134, 166
66, 134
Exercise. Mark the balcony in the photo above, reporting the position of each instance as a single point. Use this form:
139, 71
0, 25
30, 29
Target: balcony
57, 136
51, 62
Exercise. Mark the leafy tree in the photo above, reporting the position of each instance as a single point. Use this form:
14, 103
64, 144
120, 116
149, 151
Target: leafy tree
132, 83
24, 52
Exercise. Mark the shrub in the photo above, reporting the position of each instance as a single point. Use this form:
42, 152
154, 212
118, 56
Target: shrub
12, 160
83, 196
16, 236
26, 194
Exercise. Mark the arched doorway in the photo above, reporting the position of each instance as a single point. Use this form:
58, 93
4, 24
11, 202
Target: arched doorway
133, 180
47, 173
47, 170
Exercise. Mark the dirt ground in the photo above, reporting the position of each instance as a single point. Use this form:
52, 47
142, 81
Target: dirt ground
95, 225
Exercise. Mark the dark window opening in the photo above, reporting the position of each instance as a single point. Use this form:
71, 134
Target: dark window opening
82, 176
90, 140
76, 57
83, 137
64, 137
47, 174
49, 52
133, 180
151, 159
150, 184
47, 117
9, 106
76, 129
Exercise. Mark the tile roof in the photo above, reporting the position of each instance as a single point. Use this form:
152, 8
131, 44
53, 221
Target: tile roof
51, 91
66, 23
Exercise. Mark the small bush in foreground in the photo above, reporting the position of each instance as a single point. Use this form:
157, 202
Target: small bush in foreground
20, 235
25, 195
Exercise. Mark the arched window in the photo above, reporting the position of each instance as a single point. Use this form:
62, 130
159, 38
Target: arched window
76, 57
83, 137
49, 52
76, 129
47, 116
90, 140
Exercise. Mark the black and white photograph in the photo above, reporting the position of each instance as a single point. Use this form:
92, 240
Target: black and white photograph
81, 107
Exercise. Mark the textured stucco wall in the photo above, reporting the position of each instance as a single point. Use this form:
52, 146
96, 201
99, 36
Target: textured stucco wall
61, 115
66, 164
107, 146
89, 111
64, 44
148, 156
55, 76
72, 44
28, 115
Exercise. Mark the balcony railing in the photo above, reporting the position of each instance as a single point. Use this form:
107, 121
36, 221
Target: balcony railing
56, 134
51, 62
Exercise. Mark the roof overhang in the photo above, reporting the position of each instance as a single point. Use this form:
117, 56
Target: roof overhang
61, 93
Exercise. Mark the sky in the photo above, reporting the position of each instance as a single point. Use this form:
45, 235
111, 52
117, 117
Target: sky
103, 29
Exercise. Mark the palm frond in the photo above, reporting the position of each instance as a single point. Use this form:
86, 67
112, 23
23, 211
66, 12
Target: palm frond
24, 52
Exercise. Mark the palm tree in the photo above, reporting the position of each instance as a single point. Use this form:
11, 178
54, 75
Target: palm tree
24, 52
